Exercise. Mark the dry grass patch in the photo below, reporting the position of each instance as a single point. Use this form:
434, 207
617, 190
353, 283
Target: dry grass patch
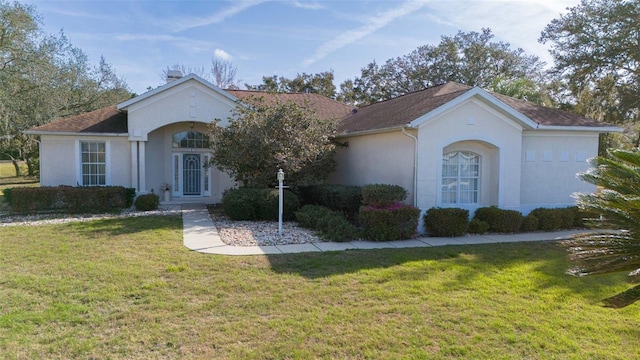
128, 289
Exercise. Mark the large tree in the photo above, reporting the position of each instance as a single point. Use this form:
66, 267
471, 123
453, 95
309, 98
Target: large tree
595, 47
265, 135
43, 77
320, 83
618, 201
471, 58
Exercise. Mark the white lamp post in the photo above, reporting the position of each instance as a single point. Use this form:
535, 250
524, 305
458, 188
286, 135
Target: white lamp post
280, 210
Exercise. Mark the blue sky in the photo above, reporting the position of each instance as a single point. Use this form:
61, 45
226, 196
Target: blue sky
264, 38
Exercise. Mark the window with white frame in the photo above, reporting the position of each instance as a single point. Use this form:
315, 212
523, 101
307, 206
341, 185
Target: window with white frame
93, 163
460, 177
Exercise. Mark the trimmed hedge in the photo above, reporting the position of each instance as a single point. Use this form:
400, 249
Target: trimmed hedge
529, 223
347, 199
478, 226
395, 222
147, 202
381, 195
500, 220
68, 199
550, 219
447, 222
258, 204
331, 224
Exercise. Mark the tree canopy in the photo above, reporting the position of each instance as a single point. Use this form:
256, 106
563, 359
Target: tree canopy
264, 136
43, 77
595, 47
320, 83
468, 58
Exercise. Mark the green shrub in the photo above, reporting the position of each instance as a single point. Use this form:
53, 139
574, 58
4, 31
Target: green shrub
500, 220
381, 195
446, 221
346, 199
551, 219
529, 223
395, 222
258, 204
331, 224
548, 219
68, 199
309, 215
478, 226
147, 202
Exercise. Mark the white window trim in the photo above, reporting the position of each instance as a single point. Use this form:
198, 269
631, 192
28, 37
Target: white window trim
107, 160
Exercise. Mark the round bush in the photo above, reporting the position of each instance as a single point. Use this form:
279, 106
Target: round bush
500, 220
147, 202
446, 222
381, 195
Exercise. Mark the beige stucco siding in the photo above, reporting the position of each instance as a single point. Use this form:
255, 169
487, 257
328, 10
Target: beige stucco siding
494, 134
60, 160
385, 158
550, 162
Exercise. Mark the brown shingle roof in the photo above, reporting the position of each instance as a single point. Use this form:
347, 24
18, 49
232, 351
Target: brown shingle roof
105, 120
404, 109
325, 108
547, 116
401, 110
386, 114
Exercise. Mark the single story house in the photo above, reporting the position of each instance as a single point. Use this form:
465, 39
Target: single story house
457, 146
449, 145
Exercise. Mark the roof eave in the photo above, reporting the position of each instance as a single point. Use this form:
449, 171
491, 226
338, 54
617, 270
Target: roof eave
73, 133
599, 129
373, 131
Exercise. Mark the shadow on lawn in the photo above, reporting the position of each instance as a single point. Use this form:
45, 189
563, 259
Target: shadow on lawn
469, 262
127, 225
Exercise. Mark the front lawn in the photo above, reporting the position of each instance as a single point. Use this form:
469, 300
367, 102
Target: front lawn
128, 289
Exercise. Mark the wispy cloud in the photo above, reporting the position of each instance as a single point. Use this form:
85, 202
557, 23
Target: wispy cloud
189, 45
311, 5
222, 55
371, 25
218, 17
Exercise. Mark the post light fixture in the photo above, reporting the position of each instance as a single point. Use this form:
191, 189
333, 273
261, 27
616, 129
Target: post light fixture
280, 205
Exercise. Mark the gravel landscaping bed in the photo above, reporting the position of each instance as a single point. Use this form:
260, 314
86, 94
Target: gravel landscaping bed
261, 233
41, 219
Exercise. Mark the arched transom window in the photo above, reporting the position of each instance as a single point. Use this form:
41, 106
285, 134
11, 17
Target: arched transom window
460, 177
190, 140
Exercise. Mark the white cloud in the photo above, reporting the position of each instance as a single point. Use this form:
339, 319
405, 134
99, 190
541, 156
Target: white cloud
311, 5
371, 25
218, 17
222, 55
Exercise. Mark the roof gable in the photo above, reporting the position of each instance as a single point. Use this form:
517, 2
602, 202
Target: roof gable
170, 85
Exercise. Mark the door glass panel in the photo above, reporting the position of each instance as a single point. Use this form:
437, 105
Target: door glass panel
191, 168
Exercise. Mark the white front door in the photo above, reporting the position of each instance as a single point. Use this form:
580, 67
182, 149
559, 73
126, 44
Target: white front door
190, 175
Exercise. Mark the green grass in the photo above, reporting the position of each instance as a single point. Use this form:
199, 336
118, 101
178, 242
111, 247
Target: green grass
128, 289
9, 179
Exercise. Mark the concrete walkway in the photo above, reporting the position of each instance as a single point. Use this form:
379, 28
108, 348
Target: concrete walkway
200, 234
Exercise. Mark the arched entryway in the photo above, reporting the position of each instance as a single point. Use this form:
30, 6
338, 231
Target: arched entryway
190, 164
469, 175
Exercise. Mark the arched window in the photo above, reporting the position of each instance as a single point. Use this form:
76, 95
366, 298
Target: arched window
190, 140
460, 177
